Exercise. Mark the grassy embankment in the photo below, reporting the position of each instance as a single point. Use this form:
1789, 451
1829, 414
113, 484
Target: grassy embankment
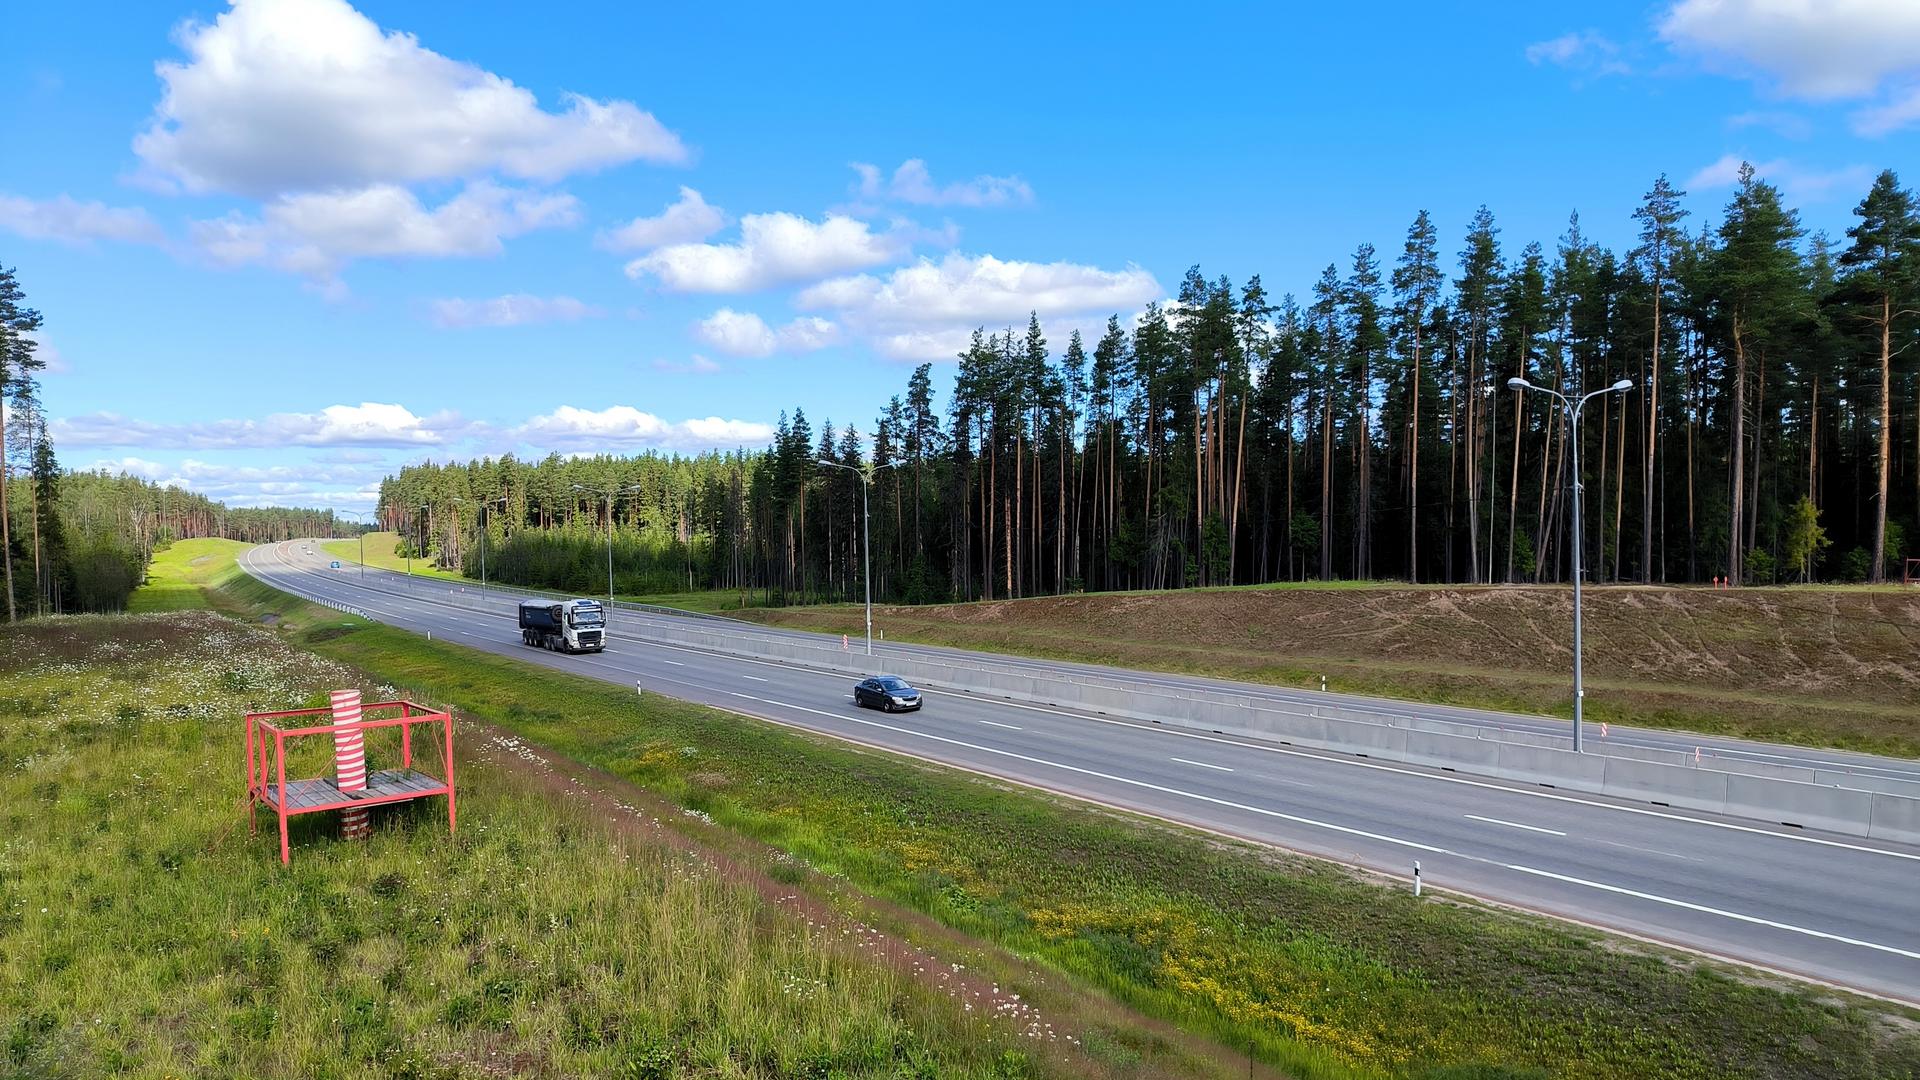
1833, 666
1317, 969
380, 555
380, 545
144, 932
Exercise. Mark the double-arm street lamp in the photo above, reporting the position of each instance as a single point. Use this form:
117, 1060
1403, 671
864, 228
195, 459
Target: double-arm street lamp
866, 536
609, 493
1572, 411
368, 516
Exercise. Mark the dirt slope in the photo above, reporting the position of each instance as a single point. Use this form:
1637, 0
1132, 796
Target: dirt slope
1838, 666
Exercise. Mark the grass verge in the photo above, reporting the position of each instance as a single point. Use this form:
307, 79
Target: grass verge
379, 547
144, 933
1309, 966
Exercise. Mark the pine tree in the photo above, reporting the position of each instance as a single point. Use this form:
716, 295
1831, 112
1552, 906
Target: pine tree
1659, 216
1884, 270
1756, 282
17, 365
1416, 288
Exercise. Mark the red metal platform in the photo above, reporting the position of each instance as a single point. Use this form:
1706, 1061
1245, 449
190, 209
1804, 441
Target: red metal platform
267, 782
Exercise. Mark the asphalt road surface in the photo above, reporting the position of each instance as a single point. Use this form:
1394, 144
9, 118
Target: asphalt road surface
1821, 906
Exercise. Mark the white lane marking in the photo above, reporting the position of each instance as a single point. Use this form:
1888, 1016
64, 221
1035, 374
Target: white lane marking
1202, 764
1383, 838
1296, 753
1705, 910
1514, 825
755, 678
1646, 850
675, 663
996, 723
1287, 751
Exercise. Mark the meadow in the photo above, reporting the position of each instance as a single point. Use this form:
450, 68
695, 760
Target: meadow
1316, 970
145, 932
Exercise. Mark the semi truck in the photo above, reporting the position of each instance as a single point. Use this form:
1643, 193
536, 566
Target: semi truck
564, 625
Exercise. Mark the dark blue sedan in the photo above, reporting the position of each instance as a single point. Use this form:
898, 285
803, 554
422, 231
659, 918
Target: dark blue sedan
888, 692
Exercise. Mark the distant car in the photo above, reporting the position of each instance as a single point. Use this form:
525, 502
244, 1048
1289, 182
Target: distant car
888, 692
335, 565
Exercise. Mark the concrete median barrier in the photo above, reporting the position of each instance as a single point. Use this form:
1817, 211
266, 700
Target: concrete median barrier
1809, 806
1895, 818
1549, 767
1668, 785
1450, 751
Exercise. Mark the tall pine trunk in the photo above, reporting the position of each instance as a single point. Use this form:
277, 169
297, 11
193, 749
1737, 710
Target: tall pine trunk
1879, 571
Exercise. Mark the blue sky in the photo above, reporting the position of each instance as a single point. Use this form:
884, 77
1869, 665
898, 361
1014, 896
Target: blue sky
284, 247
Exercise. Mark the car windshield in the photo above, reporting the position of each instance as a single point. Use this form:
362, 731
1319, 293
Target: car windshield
585, 618
893, 684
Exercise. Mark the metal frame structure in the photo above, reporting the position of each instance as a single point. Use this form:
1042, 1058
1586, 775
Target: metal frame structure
1912, 574
267, 783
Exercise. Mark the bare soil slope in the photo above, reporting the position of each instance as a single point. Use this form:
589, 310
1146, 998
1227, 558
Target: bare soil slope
1833, 666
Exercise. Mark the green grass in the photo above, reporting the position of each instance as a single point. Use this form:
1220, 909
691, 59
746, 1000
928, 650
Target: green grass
380, 555
1319, 971
178, 575
145, 933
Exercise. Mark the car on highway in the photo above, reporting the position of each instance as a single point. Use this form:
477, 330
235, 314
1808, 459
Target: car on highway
888, 692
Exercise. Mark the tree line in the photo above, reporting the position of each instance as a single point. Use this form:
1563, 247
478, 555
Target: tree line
1770, 432
81, 541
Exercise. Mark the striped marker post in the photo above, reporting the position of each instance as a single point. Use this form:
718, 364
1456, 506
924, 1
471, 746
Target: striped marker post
350, 761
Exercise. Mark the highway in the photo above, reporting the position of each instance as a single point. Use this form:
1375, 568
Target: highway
1819, 906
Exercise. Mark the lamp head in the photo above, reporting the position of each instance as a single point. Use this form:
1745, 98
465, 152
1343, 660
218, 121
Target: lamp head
1623, 384
1518, 383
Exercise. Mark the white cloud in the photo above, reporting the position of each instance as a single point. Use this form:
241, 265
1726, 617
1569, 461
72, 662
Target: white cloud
513, 309
1587, 51
623, 425
281, 95
774, 249
70, 221
696, 365
912, 183
686, 221
307, 485
367, 424
1784, 124
742, 333
49, 355
316, 233
925, 310
1797, 183
1818, 49
1901, 109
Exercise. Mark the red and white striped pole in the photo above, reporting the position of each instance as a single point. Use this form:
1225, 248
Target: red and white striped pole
350, 761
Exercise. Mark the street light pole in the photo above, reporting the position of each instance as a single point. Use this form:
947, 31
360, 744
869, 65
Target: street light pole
486, 511
413, 529
368, 514
609, 493
1572, 411
866, 533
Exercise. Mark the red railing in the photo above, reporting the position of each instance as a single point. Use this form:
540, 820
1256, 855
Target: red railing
267, 774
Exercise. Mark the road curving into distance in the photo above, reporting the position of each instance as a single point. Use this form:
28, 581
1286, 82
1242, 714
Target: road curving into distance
1819, 906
